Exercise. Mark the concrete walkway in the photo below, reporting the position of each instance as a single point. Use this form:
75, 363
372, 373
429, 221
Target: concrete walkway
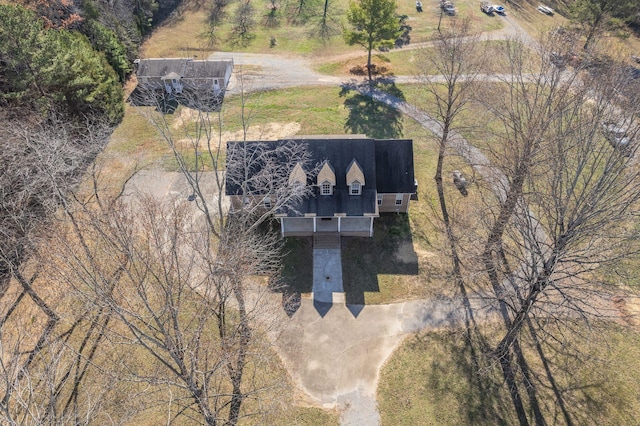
327, 279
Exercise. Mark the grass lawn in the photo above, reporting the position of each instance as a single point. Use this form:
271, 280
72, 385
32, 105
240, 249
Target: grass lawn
412, 62
437, 378
183, 34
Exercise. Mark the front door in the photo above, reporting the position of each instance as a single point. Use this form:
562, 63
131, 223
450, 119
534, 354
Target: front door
327, 224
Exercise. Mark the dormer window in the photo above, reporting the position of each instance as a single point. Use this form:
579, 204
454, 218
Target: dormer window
297, 178
297, 188
326, 188
355, 178
326, 179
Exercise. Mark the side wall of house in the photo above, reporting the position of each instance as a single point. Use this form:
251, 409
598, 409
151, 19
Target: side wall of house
355, 226
238, 201
227, 75
346, 226
393, 203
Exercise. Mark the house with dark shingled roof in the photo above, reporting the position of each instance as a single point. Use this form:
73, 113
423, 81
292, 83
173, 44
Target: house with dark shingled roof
355, 179
195, 83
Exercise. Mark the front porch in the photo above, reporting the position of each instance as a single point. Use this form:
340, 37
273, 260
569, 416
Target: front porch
348, 226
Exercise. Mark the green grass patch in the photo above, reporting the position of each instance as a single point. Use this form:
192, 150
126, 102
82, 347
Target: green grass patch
184, 34
444, 378
304, 416
135, 134
414, 62
318, 110
297, 267
180, 36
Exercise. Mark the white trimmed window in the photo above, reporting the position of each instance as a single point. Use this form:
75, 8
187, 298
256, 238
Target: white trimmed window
267, 202
326, 188
379, 199
399, 199
356, 189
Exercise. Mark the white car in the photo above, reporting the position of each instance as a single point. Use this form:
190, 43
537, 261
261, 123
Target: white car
545, 9
500, 10
486, 8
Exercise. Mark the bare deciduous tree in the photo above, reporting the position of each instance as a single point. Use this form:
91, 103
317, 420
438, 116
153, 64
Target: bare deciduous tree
42, 371
187, 269
243, 22
450, 74
565, 208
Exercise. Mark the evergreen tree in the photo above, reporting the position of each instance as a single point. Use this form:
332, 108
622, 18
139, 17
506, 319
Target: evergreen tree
46, 68
374, 24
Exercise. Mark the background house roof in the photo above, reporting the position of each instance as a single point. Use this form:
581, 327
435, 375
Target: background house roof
185, 67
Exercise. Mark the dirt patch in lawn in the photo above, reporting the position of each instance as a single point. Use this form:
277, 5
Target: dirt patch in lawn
629, 308
267, 131
262, 132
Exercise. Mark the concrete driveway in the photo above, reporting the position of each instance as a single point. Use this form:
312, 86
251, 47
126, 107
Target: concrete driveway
336, 358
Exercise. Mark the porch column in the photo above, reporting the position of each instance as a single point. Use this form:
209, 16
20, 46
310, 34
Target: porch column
339, 222
371, 226
314, 225
281, 227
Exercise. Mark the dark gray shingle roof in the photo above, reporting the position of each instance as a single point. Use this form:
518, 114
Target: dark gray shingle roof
185, 67
394, 166
387, 166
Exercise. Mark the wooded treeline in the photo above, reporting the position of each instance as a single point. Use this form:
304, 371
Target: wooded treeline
62, 67
72, 55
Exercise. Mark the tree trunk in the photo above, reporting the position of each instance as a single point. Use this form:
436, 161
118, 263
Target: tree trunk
369, 60
507, 371
593, 29
238, 371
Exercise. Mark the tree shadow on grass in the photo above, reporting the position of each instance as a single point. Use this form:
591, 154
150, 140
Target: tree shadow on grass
450, 375
434, 378
296, 276
370, 117
390, 251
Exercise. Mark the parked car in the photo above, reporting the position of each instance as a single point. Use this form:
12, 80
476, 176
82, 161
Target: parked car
618, 136
486, 8
448, 7
419, 6
545, 9
500, 10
